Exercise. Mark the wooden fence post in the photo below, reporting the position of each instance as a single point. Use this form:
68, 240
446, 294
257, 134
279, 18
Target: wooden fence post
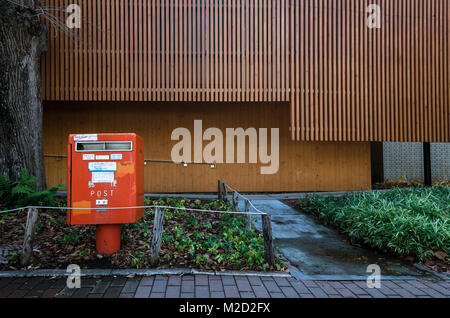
219, 189
27, 248
248, 217
225, 191
267, 234
235, 200
157, 234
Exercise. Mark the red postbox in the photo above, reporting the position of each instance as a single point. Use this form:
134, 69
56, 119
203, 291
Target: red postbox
105, 171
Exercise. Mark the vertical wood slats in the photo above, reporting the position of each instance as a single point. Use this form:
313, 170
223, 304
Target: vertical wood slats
345, 82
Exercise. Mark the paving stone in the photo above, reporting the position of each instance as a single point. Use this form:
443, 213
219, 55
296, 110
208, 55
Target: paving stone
272, 287
187, 286
231, 292
81, 292
113, 292
248, 295
31, 283
282, 282
216, 294
215, 286
243, 285
142, 292
173, 291
228, 281
310, 283
187, 278
260, 291
277, 295
66, 291
50, 293
90, 281
354, 288
346, 293
159, 286
95, 296
62, 282
157, 295
336, 284
187, 295
326, 287
306, 296
335, 296
130, 286
289, 292
255, 280
174, 281
119, 281
18, 293
413, 290
201, 280
433, 293
318, 292
438, 288
375, 293
417, 284
389, 284
161, 277
404, 293
126, 295
300, 287
100, 287
202, 292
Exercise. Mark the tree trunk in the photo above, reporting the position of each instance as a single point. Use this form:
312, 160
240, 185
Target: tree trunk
23, 38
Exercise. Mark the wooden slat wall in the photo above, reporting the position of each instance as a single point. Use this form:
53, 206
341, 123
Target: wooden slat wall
344, 81
303, 166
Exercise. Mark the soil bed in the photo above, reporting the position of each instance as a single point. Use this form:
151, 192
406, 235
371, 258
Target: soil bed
205, 241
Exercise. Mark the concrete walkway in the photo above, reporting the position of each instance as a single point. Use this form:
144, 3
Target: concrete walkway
216, 286
319, 252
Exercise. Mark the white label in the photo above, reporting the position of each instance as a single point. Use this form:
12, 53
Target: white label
102, 157
88, 156
103, 166
101, 202
88, 137
102, 177
116, 156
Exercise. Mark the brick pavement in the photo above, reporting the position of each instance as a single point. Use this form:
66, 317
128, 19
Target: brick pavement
217, 286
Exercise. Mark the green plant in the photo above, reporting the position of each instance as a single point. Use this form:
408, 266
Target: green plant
405, 221
22, 192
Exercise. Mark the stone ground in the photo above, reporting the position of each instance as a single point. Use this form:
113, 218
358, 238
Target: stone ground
216, 286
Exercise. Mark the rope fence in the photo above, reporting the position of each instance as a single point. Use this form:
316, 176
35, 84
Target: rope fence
32, 215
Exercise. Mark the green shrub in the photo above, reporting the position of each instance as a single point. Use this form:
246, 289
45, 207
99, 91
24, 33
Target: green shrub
406, 221
21, 193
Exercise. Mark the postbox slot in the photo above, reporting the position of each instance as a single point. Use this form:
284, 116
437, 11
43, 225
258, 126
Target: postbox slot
118, 146
90, 146
104, 146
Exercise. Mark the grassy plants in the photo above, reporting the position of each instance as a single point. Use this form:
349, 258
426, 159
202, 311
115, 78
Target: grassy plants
407, 221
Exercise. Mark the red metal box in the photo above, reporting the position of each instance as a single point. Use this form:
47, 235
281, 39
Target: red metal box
105, 171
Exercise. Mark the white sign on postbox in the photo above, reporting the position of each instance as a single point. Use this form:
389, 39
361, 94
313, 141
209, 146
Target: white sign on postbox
103, 166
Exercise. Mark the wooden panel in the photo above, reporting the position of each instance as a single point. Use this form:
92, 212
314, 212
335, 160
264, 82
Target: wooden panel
343, 80
304, 166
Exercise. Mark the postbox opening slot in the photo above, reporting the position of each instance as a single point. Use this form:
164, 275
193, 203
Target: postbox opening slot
90, 146
104, 146
118, 146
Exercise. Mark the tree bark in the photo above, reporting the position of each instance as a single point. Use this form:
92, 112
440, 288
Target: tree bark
23, 38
